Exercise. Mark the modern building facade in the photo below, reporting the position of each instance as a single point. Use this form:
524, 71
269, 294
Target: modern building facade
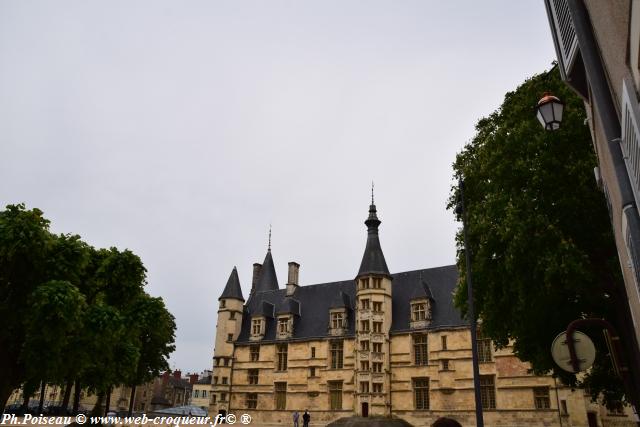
598, 48
379, 344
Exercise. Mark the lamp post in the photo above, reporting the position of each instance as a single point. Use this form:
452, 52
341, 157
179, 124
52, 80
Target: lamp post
460, 210
549, 111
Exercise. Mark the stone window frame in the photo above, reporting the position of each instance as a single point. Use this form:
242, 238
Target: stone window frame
254, 353
421, 313
258, 324
488, 392
337, 319
541, 398
336, 351
377, 387
253, 376
376, 306
420, 347
284, 326
421, 398
377, 327
335, 395
251, 400
282, 355
443, 342
365, 303
364, 283
280, 395
485, 350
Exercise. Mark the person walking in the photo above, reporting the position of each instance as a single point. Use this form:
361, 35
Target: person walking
296, 417
306, 418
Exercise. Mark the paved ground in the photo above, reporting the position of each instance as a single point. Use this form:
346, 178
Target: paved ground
369, 422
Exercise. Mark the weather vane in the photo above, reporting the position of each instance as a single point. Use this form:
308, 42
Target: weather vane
269, 237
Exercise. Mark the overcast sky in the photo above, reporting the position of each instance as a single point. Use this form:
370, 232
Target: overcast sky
182, 129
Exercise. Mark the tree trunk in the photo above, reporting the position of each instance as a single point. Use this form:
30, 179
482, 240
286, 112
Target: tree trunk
76, 397
43, 387
25, 403
97, 408
67, 396
107, 402
132, 399
5, 393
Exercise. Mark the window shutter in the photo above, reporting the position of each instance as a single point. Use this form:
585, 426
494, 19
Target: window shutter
629, 137
564, 34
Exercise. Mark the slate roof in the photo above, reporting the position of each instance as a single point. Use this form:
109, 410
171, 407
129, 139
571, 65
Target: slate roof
267, 281
232, 289
315, 302
204, 380
373, 259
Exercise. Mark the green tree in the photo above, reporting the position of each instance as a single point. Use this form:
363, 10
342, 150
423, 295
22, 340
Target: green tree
74, 314
542, 249
25, 244
154, 328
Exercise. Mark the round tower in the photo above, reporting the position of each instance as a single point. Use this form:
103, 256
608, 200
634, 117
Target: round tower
229, 322
373, 322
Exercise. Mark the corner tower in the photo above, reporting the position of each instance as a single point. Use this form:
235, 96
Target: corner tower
373, 322
230, 309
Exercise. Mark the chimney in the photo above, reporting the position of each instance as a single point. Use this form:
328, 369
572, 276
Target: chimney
257, 268
193, 378
292, 281
177, 374
165, 376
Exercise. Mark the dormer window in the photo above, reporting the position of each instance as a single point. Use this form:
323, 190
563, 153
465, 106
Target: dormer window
337, 321
257, 328
420, 313
285, 326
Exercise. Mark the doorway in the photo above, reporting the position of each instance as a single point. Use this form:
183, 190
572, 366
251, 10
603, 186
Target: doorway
365, 409
592, 418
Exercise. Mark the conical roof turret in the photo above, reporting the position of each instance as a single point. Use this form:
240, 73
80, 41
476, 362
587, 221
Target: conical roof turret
373, 261
268, 281
232, 289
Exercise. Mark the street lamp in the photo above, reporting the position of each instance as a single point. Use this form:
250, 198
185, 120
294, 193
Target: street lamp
549, 111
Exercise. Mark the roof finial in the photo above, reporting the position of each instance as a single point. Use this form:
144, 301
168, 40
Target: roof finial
372, 185
269, 248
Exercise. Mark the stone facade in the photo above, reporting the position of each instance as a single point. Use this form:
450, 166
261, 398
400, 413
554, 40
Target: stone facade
381, 344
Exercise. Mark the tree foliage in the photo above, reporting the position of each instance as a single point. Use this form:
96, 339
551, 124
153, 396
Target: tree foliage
73, 313
542, 249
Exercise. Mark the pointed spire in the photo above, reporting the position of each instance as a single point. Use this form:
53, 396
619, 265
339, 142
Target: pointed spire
268, 281
232, 289
373, 259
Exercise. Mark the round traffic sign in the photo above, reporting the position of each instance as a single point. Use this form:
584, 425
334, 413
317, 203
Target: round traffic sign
585, 351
